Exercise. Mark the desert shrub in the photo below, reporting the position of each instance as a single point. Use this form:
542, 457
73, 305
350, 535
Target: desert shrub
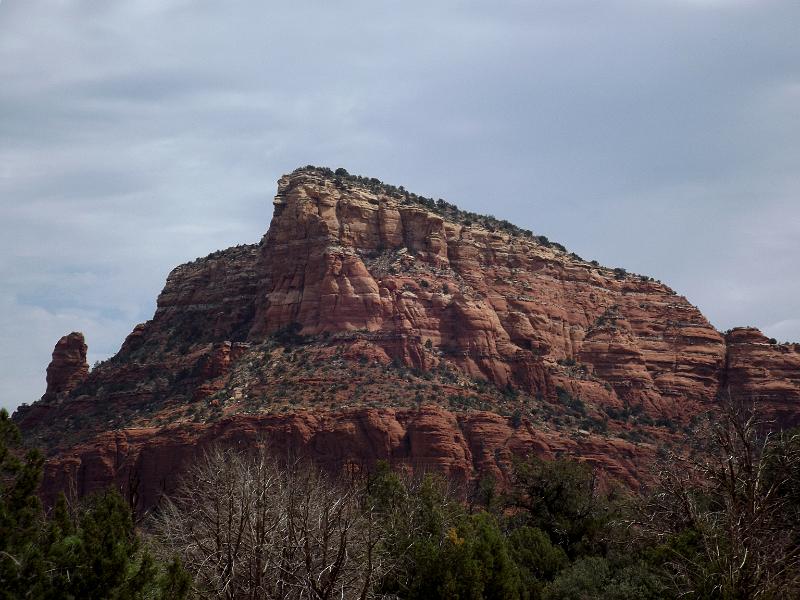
538, 559
440, 550
561, 498
575, 405
593, 578
289, 335
472, 560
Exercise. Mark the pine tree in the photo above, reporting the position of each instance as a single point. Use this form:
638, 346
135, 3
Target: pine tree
21, 563
93, 552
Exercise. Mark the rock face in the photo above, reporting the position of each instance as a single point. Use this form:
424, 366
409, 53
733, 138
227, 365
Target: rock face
145, 461
68, 368
767, 372
362, 295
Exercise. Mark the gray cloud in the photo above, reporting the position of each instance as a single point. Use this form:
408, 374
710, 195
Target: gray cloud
663, 136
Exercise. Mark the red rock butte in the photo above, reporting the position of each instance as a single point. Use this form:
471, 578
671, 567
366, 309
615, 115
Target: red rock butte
373, 324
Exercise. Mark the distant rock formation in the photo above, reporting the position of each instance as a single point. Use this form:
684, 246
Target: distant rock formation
366, 312
68, 367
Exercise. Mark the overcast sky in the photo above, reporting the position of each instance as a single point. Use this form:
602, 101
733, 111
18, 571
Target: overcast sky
658, 135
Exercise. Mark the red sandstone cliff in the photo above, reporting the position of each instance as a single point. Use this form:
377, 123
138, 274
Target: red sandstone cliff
361, 295
457, 445
766, 372
68, 368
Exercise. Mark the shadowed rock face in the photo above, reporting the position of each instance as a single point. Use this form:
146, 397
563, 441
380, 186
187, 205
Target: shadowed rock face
68, 368
361, 296
145, 461
767, 372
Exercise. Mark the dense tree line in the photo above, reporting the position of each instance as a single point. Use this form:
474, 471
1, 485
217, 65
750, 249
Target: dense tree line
723, 522
85, 551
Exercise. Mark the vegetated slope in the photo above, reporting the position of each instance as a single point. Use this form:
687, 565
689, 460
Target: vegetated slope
372, 323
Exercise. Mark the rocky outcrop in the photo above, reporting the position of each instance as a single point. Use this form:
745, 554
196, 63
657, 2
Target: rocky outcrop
68, 367
501, 307
145, 462
361, 304
765, 372
210, 299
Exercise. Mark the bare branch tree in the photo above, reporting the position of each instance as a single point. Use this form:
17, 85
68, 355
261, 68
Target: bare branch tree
728, 501
247, 527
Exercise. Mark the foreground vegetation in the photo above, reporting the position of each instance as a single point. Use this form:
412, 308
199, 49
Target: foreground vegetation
723, 522
73, 552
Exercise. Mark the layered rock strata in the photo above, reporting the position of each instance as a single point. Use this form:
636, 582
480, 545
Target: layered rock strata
68, 367
143, 462
765, 372
363, 295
